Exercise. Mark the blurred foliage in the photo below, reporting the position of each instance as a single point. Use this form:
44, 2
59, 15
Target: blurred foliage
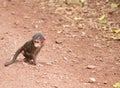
82, 2
117, 85
103, 19
114, 5
116, 31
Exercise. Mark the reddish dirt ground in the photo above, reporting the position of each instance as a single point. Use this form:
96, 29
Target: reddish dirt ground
65, 64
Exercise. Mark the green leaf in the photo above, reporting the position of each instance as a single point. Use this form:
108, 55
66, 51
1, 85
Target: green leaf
116, 31
82, 1
117, 85
114, 5
102, 19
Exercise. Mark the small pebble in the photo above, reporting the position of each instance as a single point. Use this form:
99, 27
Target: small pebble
58, 41
91, 67
65, 58
92, 80
105, 82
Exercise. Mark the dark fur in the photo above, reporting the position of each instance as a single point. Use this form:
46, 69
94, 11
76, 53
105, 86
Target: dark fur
29, 50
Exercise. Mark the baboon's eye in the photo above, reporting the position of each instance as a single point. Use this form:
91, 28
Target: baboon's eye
36, 41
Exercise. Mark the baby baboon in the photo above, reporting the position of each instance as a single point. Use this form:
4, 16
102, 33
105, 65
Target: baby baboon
30, 49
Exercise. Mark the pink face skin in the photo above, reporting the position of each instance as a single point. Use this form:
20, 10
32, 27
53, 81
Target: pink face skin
37, 43
23, 52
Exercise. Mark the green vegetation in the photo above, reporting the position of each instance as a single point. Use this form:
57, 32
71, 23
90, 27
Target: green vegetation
117, 85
